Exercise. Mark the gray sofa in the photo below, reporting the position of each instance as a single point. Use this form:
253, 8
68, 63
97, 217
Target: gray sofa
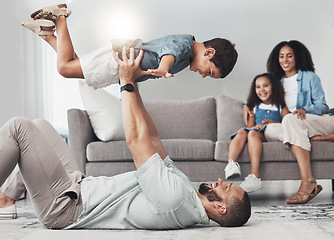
196, 135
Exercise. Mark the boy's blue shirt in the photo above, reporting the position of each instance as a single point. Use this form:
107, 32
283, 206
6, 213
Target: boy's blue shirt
178, 45
310, 96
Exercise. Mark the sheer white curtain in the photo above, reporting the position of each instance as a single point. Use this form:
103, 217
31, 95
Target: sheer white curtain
33, 77
60, 94
46, 93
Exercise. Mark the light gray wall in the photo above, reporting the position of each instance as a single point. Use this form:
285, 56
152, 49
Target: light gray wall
254, 26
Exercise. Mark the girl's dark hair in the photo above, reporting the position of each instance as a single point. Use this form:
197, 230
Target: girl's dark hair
277, 93
303, 58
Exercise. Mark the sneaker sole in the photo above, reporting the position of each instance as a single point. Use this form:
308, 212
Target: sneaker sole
233, 176
253, 189
8, 216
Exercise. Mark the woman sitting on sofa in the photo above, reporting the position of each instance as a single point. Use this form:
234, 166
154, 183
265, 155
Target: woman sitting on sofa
305, 98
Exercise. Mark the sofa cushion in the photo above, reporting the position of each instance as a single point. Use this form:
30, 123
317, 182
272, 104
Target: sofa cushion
177, 149
275, 151
229, 117
108, 151
187, 119
189, 149
104, 111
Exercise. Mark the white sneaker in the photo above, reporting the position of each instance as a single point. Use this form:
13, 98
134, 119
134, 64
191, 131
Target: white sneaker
8, 212
251, 183
232, 170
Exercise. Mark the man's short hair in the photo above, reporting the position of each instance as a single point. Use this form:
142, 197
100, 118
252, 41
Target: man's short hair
225, 57
238, 212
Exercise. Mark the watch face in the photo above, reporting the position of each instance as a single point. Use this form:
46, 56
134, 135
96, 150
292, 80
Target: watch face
128, 87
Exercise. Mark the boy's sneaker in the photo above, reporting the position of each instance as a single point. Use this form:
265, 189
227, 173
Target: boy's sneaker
251, 183
232, 170
8, 212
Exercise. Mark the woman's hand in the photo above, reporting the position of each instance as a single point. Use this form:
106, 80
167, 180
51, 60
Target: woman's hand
301, 113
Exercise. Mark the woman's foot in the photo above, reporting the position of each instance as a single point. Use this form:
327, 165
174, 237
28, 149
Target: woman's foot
40, 26
328, 138
51, 12
307, 191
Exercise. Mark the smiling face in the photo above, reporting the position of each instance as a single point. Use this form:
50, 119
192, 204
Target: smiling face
263, 89
201, 64
287, 61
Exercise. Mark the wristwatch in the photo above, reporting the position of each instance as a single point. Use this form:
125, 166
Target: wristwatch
128, 87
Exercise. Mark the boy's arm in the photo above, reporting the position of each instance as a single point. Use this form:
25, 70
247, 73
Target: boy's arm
134, 124
166, 63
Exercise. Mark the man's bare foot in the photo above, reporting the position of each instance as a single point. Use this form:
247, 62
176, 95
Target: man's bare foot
5, 201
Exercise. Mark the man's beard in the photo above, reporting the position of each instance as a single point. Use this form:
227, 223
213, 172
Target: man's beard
210, 193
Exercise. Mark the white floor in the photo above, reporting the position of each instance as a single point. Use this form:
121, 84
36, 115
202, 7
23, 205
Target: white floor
271, 219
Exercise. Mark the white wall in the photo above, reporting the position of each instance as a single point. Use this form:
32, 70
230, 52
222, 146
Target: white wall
255, 26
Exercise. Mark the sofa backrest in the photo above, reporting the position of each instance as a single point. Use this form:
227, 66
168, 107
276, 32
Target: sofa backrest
185, 119
229, 117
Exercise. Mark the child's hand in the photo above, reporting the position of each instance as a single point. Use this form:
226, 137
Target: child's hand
259, 126
160, 73
267, 121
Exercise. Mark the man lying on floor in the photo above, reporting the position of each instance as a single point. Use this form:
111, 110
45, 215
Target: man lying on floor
155, 196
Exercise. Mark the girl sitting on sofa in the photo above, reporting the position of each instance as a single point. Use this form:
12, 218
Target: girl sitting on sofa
266, 98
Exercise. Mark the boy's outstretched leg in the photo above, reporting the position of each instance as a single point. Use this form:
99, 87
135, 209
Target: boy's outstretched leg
44, 23
68, 63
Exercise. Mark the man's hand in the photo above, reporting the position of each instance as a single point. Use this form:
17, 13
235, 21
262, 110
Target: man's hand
160, 73
129, 68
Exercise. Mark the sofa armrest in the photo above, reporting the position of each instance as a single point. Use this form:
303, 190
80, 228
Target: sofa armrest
80, 134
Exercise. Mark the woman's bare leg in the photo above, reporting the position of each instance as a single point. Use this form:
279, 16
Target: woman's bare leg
304, 163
